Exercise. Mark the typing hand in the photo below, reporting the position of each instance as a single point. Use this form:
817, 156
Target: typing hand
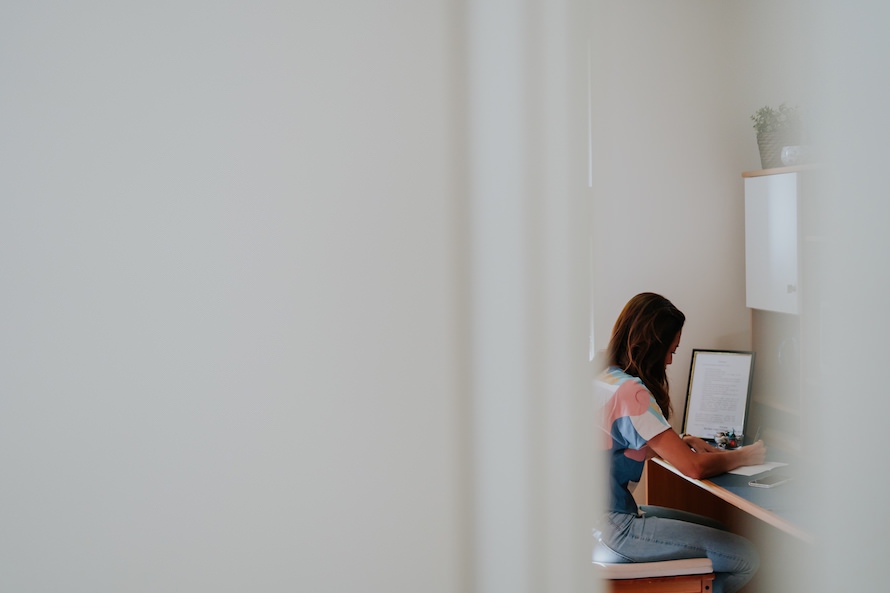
699, 445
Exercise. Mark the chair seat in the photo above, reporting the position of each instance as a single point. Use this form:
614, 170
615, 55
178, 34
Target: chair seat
664, 568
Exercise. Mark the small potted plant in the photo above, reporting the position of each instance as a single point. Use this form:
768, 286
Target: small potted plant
776, 128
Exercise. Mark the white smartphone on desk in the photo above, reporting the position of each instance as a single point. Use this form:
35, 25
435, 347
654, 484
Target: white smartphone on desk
769, 481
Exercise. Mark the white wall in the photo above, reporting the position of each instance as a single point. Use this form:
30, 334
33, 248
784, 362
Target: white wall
246, 296
674, 86
229, 324
670, 144
854, 57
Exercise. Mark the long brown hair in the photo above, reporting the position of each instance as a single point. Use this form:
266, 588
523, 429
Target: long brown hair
641, 339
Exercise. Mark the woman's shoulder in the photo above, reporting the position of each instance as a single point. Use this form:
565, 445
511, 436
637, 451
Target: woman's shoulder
626, 397
626, 390
616, 377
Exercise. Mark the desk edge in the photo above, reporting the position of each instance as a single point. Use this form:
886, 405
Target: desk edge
742, 504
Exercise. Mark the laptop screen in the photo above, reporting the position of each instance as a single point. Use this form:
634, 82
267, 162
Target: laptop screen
718, 393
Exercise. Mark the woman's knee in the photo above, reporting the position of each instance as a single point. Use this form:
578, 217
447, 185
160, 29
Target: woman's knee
747, 558
752, 555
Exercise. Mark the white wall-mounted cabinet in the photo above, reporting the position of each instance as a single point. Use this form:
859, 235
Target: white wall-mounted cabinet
785, 237
772, 278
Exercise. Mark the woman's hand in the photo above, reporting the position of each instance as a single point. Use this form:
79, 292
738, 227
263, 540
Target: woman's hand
699, 445
697, 459
749, 455
753, 454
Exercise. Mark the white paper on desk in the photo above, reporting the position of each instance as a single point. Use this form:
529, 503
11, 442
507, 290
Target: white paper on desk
750, 470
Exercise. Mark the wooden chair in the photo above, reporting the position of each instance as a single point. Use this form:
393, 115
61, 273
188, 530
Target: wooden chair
693, 575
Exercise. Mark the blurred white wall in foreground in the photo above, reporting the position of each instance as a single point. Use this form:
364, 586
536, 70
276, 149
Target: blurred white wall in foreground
855, 58
243, 254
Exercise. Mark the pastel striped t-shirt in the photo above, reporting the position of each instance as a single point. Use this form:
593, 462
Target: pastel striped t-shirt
629, 417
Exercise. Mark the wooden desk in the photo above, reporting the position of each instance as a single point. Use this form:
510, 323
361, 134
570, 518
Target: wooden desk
782, 543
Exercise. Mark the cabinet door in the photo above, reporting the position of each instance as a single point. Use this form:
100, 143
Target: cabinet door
771, 265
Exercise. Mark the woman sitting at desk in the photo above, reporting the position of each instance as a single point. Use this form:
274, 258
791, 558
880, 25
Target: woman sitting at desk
636, 406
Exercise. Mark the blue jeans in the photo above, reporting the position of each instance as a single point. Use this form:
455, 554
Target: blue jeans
668, 534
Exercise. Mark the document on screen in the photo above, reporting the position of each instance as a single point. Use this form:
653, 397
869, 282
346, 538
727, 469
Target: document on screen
718, 393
